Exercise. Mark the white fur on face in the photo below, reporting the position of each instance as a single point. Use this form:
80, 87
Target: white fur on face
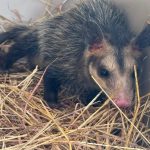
120, 84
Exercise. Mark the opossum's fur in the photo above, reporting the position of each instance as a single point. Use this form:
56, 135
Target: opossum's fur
21, 41
64, 43
143, 40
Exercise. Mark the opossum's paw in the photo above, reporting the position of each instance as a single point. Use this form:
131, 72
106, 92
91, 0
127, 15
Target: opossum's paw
5, 65
51, 87
5, 62
2, 62
51, 98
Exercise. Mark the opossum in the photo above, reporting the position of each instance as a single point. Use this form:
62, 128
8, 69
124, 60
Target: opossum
92, 39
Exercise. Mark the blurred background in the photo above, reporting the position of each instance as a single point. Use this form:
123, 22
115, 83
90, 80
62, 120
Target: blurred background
138, 11
29, 11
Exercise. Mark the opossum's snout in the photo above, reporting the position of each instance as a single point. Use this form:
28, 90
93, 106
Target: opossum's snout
114, 72
122, 101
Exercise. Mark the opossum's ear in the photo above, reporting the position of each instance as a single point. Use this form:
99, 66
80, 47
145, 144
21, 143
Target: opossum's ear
99, 46
98, 49
142, 41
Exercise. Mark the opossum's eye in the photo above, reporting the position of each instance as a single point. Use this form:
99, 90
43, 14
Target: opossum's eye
103, 73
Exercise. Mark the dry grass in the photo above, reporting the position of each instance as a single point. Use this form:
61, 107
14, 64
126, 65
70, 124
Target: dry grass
27, 123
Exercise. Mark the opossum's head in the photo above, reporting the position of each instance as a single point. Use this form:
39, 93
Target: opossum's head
113, 69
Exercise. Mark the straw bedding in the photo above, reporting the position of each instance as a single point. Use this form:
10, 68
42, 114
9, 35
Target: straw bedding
27, 123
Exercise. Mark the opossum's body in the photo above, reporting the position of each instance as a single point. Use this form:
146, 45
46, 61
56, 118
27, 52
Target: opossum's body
92, 39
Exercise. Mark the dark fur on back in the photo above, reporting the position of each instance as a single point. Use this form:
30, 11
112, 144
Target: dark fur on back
61, 42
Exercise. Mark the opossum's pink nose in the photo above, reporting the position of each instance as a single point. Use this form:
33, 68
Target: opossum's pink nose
122, 103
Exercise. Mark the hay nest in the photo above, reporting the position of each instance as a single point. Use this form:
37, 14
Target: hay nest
27, 123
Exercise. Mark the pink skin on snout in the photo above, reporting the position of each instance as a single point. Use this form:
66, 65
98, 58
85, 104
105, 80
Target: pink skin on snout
122, 101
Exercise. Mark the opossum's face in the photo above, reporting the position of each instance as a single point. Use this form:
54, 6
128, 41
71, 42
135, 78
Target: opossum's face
114, 71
